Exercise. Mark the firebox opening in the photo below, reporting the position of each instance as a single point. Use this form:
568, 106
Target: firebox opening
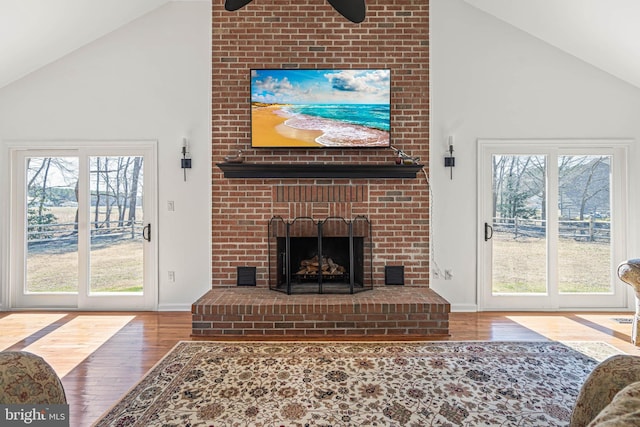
334, 266
331, 256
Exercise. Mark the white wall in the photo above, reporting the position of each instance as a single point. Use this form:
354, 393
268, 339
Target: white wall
149, 80
491, 80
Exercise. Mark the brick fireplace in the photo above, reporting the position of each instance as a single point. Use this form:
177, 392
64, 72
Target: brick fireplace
310, 34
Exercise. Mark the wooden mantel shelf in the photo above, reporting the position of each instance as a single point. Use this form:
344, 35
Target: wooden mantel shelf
318, 170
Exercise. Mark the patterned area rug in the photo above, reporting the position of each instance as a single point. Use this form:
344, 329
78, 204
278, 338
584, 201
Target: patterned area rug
357, 384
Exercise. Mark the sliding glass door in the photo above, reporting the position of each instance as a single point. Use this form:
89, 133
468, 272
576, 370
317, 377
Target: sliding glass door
552, 226
82, 225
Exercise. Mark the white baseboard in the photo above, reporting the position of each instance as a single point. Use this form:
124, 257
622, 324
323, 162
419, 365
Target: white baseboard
464, 308
174, 307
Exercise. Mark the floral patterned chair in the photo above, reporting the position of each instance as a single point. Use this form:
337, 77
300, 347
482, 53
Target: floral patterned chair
610, 397
27, 379
629, 272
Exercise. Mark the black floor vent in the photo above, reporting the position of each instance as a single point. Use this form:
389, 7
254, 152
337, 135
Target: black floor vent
394, 275
246, 276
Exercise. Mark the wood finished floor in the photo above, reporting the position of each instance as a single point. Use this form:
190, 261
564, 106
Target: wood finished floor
101, 355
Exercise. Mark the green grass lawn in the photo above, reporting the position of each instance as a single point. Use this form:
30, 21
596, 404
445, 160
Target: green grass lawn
519, 266
115, 267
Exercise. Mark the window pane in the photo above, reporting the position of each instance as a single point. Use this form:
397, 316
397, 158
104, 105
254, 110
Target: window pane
52, 224
519, 225
584, 246
116, 258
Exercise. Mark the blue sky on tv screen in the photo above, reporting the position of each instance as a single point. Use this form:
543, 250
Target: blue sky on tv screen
320, 86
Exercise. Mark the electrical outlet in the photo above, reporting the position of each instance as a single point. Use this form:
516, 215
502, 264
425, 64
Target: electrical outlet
172, 276
436, 274
171, 206
448, 275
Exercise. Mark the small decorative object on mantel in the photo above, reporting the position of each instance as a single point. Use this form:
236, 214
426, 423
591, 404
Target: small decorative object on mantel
234, 158
403, 158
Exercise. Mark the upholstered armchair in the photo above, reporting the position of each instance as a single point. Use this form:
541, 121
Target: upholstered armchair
610, 397
26, 378
629, 272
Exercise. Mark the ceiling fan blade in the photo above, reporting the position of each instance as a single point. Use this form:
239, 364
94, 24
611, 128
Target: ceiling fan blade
354, 10
232, 5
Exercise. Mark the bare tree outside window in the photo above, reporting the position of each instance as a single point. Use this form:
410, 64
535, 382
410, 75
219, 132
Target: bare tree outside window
520, 223
584, 222
52, 229
115, 223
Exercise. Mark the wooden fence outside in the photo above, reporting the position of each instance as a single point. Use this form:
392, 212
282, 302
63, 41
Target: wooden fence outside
588, 230
66, 232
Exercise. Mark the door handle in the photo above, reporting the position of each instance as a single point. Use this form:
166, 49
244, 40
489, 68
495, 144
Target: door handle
488, 232
146, 232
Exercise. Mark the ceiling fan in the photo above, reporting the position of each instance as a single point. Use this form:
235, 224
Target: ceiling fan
353, 10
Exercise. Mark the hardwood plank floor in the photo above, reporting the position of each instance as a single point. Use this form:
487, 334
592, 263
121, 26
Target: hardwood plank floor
101, 355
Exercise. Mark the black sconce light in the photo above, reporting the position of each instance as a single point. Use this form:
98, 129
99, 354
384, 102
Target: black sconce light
185, 162
450, 161
354, 10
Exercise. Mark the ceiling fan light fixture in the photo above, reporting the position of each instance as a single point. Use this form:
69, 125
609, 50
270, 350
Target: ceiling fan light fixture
354, 10
232, 5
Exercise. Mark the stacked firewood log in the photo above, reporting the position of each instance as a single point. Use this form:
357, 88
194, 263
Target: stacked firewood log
313, 265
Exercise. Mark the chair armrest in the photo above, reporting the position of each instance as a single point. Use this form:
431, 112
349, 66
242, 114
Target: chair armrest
602, 384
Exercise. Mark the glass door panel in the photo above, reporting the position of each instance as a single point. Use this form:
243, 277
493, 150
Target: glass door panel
116, 213
519, 249
584, 224
51, 225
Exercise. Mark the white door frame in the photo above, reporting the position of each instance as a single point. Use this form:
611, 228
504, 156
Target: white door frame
14, 244
619, 149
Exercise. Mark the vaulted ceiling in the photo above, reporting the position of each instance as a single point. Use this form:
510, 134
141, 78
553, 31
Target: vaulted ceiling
604, 33
34, 33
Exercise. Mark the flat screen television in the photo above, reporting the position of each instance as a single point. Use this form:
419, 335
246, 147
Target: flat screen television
320, 108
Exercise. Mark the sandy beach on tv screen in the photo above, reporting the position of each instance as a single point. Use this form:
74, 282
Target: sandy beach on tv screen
268, 130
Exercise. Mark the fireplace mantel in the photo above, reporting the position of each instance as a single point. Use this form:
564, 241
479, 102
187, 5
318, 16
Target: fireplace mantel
318, 170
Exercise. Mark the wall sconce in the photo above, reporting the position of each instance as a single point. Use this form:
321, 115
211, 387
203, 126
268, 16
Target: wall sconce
185, 162
450, 161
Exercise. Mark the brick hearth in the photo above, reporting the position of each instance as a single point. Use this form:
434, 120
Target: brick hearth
388, 312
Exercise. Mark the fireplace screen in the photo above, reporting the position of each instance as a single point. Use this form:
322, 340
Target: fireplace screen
329, 256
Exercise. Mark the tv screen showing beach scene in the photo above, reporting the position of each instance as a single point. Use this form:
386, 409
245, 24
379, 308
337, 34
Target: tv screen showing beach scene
320, 108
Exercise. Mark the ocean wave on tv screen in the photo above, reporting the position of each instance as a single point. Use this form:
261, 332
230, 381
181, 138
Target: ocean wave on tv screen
374, 116
337, 133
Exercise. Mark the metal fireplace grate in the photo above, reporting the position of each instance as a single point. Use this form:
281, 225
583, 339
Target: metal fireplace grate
329, 256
